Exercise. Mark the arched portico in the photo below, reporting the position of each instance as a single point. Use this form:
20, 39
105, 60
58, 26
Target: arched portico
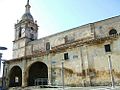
15, 77
38, 74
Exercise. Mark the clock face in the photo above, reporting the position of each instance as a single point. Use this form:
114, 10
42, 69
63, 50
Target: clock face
23, 30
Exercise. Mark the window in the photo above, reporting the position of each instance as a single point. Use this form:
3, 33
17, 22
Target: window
19, 33
66, 56
32, 28
113, 31
107, 48
83, 72
48, 46
32, 37
16, 79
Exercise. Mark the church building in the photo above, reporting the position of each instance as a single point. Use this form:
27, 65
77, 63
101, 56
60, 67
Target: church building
88, 55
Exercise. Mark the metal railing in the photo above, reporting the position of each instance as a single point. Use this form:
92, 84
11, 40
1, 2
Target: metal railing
41, 81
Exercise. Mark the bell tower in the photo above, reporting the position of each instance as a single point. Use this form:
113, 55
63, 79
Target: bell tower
26, 30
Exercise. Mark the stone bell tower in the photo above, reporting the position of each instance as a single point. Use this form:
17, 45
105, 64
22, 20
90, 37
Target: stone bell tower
26, 30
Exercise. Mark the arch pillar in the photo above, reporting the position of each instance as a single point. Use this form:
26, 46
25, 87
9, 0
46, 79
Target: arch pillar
49, 74
23, 79
24, 74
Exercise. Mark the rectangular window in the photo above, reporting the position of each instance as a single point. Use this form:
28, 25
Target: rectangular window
66, 56
107, 48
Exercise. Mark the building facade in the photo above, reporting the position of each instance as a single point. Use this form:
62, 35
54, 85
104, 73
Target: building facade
85, 52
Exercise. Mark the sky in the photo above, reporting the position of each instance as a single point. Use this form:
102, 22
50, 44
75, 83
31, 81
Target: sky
52, 16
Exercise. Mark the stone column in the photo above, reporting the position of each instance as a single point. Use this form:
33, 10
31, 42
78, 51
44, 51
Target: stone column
23, 73
49, 75
7, 75
23, 80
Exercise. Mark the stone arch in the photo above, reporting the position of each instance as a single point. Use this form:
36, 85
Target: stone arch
112, 32
15, 76
38, 74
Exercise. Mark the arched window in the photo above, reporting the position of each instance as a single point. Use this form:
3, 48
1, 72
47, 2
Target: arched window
48, 46
112, 32
32, 28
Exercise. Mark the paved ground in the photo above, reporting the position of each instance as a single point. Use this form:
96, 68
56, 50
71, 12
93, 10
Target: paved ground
81, 88
70, 88
93, 88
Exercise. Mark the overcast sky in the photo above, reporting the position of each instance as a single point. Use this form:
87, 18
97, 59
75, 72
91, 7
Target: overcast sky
52, 16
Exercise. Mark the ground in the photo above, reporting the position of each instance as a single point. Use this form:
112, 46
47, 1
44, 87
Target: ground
75, 88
